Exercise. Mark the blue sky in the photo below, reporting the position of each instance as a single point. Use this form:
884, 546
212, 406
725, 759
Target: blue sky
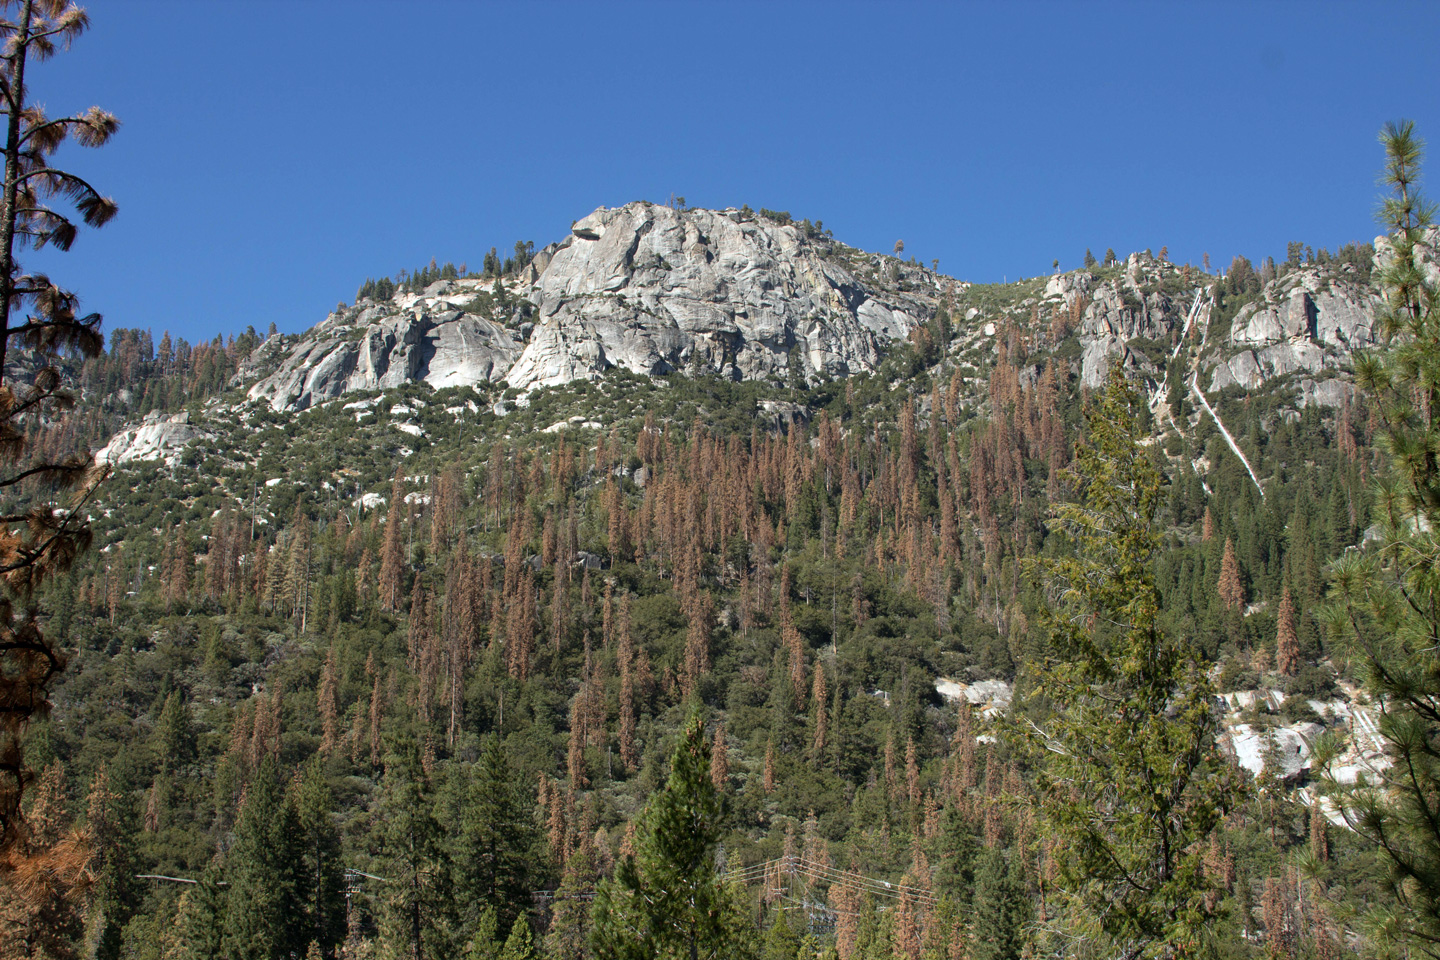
273, 154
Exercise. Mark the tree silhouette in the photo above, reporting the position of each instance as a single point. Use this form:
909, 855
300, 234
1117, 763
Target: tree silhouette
37, 541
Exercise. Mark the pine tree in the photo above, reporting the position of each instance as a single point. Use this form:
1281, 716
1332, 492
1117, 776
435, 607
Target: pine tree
1385, 599
199, 929
1132, 781
38, 908
38, 541
1287, 645
484, 942
667, 900
1232, 592
325, 702
496, 855
392, 556
319, 875
818, 698
264, 919
113, 896
625, 655
418, 899
719, 759
520, 945
1001, 910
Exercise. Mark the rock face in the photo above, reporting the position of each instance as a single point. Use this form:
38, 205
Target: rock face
156, 438
1306, 322
428, 339
645, 287
654, 290
1115, 313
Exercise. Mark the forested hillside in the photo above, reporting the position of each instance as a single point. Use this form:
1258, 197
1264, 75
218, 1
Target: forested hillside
399, 671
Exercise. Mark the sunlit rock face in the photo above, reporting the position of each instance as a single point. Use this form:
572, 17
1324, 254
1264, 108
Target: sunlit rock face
430, 341
157, 437
649, 288
655, 290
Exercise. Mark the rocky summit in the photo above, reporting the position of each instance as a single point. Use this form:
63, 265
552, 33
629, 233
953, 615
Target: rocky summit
657, 290
648, 288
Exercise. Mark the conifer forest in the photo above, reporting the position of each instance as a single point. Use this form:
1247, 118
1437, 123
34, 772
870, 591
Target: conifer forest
1080, 617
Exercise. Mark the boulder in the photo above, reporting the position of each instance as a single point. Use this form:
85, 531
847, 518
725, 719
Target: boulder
156, 438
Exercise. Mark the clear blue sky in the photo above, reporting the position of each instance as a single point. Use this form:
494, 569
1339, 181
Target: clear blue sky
275, 154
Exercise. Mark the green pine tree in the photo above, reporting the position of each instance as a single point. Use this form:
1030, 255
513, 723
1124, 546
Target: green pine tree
320, 880
419, 897
497, 855
264, 919
199, 928
520, 945
1000, 910
1131, 779
111, 901
781, 942
1386, 599
484, 942
668, 901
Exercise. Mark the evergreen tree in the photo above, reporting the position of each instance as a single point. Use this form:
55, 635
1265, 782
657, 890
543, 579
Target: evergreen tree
667, 899
520, 945
1000, 910
497, 857
320, 883
199, 930
264, 918
484, 942
1132, 780
37, 541
1386, 598
419, 900
1287, 644
781, 942
1232, 591
38, 914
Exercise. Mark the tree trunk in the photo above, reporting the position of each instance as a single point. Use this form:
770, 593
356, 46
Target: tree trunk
8, 214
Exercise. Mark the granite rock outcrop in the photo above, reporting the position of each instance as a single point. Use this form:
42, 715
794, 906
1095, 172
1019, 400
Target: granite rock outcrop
649, 288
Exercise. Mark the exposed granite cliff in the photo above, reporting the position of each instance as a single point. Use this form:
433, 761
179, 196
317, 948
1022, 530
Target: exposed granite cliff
645, 287
426, 338
654, 290
1306, 322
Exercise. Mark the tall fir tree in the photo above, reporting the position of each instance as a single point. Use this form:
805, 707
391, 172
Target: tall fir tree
497, 856
1000, 910
1131, 781
319, 873
419, 898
